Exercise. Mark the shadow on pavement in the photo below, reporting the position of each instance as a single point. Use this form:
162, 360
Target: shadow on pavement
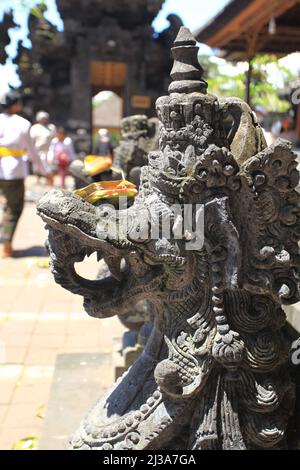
39, 251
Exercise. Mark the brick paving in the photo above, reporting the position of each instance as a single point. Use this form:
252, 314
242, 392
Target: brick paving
38, 321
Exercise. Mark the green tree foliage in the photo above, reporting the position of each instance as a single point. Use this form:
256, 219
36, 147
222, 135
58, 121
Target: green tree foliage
263, 91
36, 9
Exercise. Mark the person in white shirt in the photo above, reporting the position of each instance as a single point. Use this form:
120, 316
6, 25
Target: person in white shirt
42, 134
15, 144
62, 153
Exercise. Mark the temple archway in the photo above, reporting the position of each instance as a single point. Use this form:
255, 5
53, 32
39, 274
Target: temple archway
107, 112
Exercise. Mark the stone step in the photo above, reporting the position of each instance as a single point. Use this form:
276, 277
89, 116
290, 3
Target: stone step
79, 380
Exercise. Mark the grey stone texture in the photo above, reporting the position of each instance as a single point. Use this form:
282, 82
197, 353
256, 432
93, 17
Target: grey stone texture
216, 372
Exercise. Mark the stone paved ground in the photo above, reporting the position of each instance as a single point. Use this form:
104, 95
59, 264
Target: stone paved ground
38, 320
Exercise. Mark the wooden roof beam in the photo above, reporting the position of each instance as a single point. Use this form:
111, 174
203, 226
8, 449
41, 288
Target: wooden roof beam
255, 16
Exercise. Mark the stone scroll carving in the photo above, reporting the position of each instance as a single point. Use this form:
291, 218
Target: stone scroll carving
215, 371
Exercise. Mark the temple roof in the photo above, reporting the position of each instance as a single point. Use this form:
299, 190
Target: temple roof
129, 13
242, 28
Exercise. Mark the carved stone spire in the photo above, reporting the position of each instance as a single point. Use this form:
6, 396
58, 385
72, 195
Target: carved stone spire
187, 73
6, 24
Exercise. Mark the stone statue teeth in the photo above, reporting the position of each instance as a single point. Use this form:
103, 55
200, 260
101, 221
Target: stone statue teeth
215, 372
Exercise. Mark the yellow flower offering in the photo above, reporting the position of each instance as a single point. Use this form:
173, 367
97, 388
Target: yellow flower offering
107, 190
94, 164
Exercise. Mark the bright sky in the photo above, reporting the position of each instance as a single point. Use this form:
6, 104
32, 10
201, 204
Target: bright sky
194, 13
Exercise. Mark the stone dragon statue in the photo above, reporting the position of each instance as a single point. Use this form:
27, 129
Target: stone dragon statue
215, 372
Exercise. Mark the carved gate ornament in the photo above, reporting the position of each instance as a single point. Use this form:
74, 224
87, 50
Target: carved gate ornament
215, 371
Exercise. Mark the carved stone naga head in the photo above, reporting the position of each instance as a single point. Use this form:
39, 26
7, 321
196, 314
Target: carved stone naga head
215, 372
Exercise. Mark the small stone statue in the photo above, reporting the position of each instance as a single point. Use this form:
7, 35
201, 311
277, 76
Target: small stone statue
139, 137
215, 372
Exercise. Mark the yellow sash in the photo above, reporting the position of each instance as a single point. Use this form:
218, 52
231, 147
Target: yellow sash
8, 152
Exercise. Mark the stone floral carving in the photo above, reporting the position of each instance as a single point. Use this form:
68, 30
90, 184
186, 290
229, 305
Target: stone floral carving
215, 372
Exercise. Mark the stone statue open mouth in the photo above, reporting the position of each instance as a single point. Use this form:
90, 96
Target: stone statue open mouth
122, 278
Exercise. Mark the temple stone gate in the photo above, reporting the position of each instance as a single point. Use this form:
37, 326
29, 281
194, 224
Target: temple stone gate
105, 45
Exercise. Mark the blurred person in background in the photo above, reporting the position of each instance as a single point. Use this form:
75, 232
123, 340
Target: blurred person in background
103, 146
42, 134
16, 145
62, 153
